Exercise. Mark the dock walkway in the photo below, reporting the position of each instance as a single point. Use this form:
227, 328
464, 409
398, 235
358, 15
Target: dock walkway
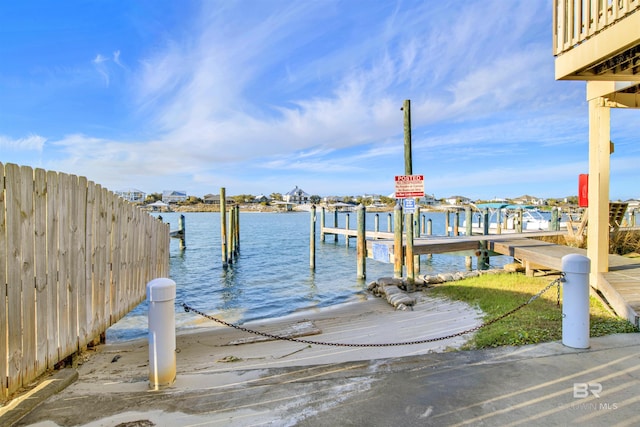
620, 286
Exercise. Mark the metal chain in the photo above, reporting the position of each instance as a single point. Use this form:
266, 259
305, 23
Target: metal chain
557, 282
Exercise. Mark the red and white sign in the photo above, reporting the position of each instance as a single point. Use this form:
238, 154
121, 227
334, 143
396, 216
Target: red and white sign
409, 186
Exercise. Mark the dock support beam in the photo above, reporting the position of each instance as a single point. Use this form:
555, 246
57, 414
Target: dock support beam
599, 171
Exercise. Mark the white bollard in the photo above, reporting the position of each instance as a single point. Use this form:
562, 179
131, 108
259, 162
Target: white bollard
575, 305
161, 294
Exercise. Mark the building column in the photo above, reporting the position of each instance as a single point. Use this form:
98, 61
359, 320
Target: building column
599, 170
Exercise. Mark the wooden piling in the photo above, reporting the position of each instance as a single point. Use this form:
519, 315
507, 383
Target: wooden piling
335, 223
312, 238
237, 230
518, 220
389, 227
322, 224
468, 218
397, 242
346, 227
223, 226
361, 245
483, 255
410, 261
230, 238
181, 232
456, 223
446, 223
376, 223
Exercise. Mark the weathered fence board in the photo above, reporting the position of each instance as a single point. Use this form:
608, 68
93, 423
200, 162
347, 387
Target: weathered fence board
74, 259
3, 283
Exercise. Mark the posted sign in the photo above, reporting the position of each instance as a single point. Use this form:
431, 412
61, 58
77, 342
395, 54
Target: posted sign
408, 186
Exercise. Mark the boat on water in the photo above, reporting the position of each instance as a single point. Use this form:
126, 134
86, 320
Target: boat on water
506, 218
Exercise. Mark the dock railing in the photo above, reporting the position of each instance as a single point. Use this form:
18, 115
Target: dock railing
574, 21
74, 259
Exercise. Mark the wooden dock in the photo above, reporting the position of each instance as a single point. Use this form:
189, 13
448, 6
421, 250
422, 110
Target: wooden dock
620, 286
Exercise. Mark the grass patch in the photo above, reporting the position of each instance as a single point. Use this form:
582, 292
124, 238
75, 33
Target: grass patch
540, 321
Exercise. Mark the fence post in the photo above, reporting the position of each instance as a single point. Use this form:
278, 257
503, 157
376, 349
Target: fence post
575, 301
161, 294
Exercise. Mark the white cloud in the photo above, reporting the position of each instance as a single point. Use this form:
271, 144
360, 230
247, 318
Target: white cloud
28, 143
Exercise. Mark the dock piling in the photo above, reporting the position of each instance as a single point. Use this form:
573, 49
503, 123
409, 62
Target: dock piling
397, 241
312, 238
223, 226
361, 246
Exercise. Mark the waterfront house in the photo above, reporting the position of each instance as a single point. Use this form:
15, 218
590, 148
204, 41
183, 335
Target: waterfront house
297, 196
261, 199
172, 196
599, 42
457, 200
214, 199
132, 195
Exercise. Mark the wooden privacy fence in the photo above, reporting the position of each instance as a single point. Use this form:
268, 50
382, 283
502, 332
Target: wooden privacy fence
74, 259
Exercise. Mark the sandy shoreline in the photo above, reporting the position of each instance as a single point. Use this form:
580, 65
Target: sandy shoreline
210, 349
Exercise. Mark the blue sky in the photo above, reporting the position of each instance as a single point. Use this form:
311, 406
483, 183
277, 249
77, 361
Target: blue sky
258, 96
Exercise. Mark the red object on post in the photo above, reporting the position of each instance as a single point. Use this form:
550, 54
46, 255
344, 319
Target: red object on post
583, 190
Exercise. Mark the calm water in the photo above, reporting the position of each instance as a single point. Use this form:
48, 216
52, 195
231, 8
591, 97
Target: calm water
271, 277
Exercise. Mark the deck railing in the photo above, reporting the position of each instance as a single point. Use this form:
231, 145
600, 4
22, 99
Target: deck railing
74, 259
574, 21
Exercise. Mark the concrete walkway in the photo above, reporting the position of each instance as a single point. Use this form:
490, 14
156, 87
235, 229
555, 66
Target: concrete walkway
284, 383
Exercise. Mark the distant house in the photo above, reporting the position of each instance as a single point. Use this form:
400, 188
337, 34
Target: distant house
428, 200
172, 196
296, 196
132, 195
458, 200
529, 200
214, 199
261, 199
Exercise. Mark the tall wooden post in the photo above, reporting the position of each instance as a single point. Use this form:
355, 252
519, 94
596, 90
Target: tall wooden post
389, 227
361, 245
376, 223
408, 170
335, 224
312, 238
599, 181
223, 226
398, 252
